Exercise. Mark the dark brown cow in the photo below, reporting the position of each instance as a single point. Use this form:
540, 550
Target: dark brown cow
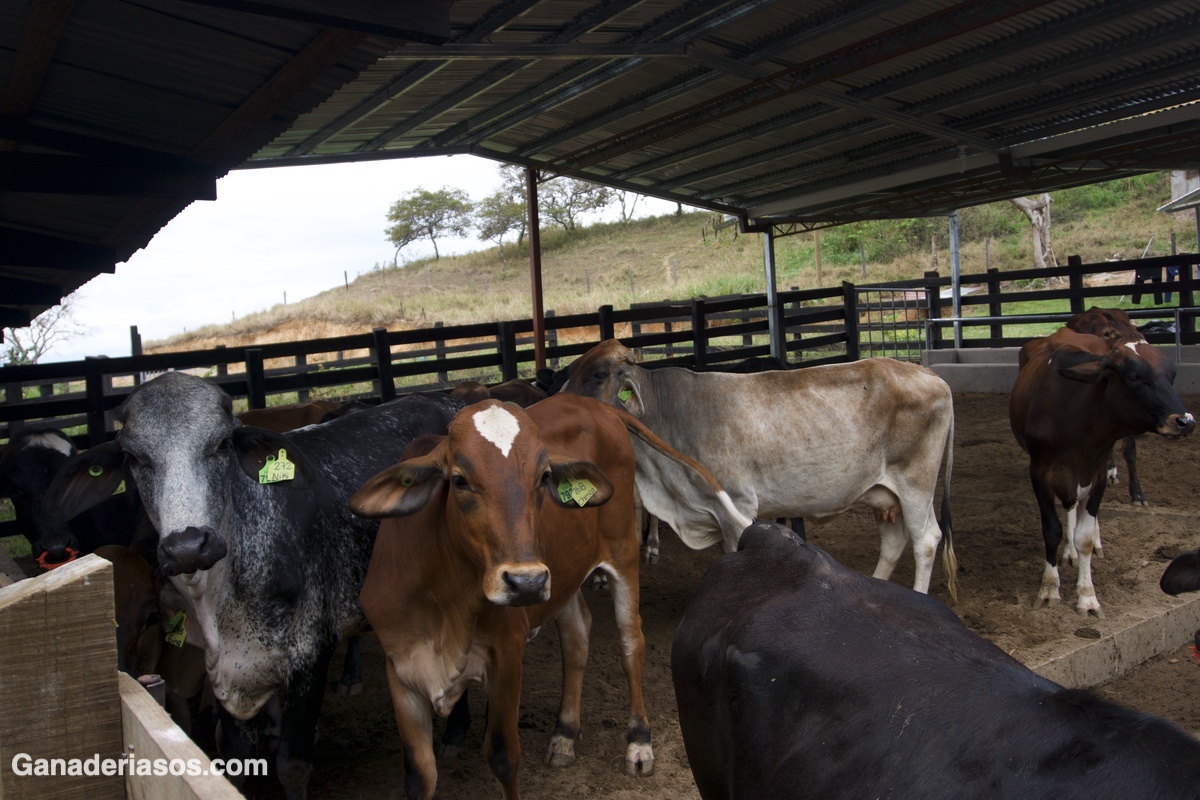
518, 391
498, 527
282, 419
1074, 397
1111, 324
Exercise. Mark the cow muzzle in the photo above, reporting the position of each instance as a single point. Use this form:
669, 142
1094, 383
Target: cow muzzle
1177, 426
190, 550
522, 586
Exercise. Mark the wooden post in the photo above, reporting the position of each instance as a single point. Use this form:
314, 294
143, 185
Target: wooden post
817, 245
608, 328
93, 381
439, 353
699, 334
507, 333
1075, 281
995, 308
850, 304
552, 339
933, 292
135, 349
382, 351
302, 395
535, 269
58, 680
223, 367
256, 389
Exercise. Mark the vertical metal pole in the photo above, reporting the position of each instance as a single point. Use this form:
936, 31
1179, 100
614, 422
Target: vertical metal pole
955, 275
774, 310
535, 269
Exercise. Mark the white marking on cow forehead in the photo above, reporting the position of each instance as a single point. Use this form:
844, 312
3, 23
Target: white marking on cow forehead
1133, 346
498, 426
51, 441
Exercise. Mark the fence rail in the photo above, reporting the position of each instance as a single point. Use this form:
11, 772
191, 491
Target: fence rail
819, 326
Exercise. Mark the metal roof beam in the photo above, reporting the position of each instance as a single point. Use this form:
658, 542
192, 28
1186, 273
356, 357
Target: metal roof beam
931, 29
572, 83
20, 248
44, 26
829, 21
19, 292
411, 20
55, 174
14, 318
496, 19
574, 51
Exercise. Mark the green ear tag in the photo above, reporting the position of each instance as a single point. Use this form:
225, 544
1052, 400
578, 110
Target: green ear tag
120, 488
176, 631
580, 491
277, 469
95, 470
624, 394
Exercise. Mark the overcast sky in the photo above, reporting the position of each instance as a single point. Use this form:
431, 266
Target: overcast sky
270, 231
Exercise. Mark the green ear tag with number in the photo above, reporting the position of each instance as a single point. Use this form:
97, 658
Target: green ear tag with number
277, 469
580, 491
624, 394
176, 630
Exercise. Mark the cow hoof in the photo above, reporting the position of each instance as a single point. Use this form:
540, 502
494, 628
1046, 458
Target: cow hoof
1047, 602
600, 580
1138, 501
1092, 606
1097, 551
1070, 557
350, 689
447, 752
355, 688
561, 752
651, 555
639, 760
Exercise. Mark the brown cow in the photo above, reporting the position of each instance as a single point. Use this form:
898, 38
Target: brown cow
498, 527
1074, 397
518, 391
1111, 324
281, 419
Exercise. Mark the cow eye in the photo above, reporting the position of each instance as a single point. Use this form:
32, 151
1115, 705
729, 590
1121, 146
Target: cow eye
226, 444
601, 375
460, 483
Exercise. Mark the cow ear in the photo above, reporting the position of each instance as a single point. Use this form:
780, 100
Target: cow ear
629, 395
258, 447
1182, 574
578, 484
400, 490
1084, 367
85, 480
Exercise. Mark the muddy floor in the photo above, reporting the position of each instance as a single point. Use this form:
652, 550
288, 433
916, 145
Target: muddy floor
1000, 555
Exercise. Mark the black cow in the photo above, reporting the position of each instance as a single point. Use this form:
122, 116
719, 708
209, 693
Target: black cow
799, 678
1183, 575
270, 571
28, 464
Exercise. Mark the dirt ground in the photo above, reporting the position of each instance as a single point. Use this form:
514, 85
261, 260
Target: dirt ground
1000, 555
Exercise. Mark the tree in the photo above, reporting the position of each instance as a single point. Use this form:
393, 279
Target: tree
57, 324
564, 200
512, 183
499, 214
422, 214
628, 201
1037, 211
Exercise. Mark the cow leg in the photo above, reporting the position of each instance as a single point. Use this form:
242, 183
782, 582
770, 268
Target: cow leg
1051, 538
639, 754
921, 526
574, 627
351, 682
457, 725
299, 737
501, 743
650, 539
1069, 554
1129, 451
1111, 469
1087, 535
892, 540
414, 720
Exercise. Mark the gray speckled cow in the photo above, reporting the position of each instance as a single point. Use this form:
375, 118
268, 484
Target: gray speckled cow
272, 571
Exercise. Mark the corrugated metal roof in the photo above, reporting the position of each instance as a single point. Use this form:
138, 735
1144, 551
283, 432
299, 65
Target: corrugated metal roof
793, 115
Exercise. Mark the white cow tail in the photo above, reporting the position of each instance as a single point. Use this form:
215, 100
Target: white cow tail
949, 560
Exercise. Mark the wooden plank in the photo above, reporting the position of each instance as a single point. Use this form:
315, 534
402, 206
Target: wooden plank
58, 680
150, 734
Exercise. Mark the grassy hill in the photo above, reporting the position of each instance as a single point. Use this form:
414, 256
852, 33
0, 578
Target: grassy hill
680, 257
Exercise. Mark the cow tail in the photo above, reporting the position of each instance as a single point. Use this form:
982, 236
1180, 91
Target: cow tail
949, 560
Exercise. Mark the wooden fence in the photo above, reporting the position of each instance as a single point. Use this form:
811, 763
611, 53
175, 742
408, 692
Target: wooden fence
817, 326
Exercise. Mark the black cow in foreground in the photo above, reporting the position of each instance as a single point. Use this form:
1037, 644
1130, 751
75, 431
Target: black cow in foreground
799, 678
28, 464
256, 534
